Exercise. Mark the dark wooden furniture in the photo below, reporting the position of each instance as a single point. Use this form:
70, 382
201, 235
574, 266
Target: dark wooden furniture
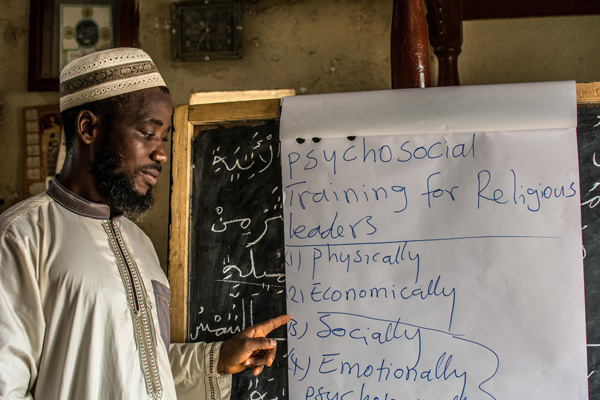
409, 46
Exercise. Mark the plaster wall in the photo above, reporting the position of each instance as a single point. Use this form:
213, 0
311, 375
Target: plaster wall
311, 46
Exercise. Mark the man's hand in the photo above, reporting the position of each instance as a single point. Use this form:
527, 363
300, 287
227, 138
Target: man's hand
250, 348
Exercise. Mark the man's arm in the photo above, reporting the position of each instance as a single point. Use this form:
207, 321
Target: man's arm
203, 370
22, 323
194, 367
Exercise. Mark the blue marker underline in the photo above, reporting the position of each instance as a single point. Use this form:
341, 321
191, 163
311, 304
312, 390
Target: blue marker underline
348, 314
425, 240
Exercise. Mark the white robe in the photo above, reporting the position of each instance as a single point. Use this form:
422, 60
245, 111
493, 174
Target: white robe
80, 299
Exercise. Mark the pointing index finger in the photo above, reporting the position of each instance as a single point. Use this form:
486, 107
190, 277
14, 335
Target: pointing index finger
265, 327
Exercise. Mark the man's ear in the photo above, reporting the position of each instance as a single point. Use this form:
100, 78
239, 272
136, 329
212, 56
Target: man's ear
86, 124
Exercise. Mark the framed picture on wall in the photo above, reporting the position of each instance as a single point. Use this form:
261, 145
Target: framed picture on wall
84, 29
61, 30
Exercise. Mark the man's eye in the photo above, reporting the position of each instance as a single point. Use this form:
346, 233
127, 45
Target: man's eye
148, 135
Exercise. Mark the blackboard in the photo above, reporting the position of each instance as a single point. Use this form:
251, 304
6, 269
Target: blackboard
237, 277
588, 138
198, 256
236, 261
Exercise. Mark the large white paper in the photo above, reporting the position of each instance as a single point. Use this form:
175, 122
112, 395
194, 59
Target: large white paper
433, 266
548, 105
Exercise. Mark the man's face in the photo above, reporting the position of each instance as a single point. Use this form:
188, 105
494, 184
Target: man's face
129, 160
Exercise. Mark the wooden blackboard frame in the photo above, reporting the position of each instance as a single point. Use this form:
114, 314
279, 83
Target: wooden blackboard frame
186, 120
588, 94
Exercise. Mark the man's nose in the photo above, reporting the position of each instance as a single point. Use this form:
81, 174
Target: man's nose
159, 155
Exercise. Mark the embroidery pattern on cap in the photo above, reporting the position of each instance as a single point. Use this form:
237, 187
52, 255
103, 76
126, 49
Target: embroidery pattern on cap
102, 76
103, 59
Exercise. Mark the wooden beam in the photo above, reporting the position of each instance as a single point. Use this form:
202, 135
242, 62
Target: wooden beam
488, 9
588, 94
179, 258
409, 46
445, 35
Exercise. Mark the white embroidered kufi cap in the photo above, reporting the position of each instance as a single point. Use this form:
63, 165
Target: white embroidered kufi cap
105, 74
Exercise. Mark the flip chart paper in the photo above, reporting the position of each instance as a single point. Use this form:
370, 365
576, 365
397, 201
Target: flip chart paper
434, 265
432, 110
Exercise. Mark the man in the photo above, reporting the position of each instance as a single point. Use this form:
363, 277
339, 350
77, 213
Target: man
83, 299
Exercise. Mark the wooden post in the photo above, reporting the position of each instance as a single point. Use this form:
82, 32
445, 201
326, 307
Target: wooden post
409, 46
179, 233
445, 35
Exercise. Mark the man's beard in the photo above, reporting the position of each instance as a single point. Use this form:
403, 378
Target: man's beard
118, 187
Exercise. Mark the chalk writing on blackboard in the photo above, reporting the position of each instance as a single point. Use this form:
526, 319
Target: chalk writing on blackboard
588, 138
237, 278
